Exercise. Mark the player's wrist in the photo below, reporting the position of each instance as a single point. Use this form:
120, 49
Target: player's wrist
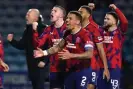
1, 61
71, 55
45, 53
105, 67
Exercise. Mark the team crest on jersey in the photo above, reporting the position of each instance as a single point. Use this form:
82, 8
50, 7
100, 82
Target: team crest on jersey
78, 40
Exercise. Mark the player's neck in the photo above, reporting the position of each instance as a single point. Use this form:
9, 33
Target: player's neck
59, 23
112, 28
76, 29
85, 23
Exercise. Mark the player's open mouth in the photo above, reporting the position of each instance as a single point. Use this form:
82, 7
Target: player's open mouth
67, 23
51, 16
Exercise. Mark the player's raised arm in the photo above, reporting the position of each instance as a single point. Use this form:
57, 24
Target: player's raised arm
122, 18
20, 44
39, 41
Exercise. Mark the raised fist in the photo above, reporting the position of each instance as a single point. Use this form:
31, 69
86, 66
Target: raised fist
34, 25
10, 37
112, 6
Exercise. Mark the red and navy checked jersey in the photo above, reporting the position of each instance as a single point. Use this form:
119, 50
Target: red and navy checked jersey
1, 52
53, 36
96, 38
113, 41
78, 43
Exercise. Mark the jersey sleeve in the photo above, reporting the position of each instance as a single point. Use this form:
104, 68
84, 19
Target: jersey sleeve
39, 41
123, 20
88, 42
97, 36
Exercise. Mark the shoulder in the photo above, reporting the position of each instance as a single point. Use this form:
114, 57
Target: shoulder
101, 29
84, 33
83, 30
48, 28
94, 25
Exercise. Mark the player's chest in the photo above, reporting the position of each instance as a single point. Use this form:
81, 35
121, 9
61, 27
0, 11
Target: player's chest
56, 34
74, 42
111, 37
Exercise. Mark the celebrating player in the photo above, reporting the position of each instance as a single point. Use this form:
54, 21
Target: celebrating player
113, 41
98, 46
53, 34
79, 51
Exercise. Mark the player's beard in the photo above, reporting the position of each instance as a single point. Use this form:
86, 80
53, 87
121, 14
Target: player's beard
107, 26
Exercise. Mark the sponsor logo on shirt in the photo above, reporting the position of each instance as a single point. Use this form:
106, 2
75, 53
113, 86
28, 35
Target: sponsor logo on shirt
70, 45
108, 39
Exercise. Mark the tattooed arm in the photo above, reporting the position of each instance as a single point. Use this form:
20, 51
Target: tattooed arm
39, 52
56, 48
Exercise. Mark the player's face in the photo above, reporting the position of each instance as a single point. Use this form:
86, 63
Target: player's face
109, 20
56, 13
83, 13
31, 17
71, 21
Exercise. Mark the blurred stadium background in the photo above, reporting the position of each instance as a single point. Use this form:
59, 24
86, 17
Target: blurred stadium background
12, 19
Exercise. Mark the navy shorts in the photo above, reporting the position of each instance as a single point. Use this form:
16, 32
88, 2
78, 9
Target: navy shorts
94, 75
113, 83
78, 80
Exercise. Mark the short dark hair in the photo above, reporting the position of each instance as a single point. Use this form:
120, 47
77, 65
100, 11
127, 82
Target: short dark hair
63, 9
78, 15
87, 9
114, 15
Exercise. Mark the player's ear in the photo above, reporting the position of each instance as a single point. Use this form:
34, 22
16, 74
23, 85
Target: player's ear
113, 21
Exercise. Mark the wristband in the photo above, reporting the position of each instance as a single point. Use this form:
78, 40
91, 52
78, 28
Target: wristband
45, 53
